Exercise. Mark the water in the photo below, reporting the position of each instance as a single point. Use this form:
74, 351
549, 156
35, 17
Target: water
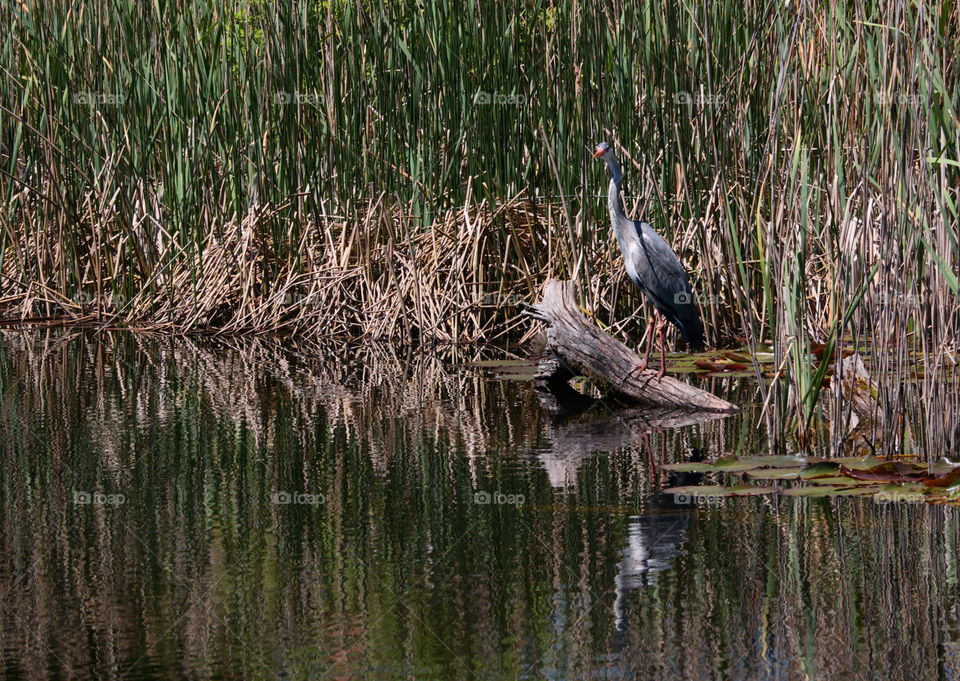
172, 510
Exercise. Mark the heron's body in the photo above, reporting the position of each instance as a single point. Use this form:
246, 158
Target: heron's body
651, 264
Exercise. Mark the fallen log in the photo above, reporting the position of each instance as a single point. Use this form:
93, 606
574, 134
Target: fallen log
859, 426
577, 347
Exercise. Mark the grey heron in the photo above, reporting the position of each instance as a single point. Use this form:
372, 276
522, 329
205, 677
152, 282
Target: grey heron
653, 266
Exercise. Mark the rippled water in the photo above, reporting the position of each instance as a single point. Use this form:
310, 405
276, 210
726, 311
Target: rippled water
171, 510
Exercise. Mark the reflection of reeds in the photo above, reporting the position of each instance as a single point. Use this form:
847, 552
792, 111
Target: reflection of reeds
242, 167
198, 571
197, 437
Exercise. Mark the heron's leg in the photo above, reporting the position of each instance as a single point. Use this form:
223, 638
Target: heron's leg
663, 345
650, 456
648, 342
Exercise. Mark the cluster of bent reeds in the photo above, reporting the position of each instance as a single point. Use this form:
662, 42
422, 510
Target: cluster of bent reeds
410, 172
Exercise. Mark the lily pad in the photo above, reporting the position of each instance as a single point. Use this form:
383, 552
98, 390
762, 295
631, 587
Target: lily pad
949, 482
908, 493
828, 491
843, 480
890, 481
820, 470
881, 473
731, 464
856, 463
685, 369
774, 473
689, 467
753, 490
781, 461
697, 491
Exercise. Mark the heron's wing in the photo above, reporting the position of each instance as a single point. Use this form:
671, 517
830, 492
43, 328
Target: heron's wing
660, 275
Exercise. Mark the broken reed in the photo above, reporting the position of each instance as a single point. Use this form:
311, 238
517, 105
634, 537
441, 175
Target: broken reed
409, 172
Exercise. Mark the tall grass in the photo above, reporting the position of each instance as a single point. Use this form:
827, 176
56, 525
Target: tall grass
410, 171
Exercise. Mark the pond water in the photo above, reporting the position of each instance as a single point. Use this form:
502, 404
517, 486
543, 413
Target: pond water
174, 510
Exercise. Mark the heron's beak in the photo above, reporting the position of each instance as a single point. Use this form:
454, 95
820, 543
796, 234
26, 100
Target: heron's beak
599, 152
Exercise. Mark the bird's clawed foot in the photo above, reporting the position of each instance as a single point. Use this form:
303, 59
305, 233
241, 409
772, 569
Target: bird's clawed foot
663, 368
643, 366
639, 369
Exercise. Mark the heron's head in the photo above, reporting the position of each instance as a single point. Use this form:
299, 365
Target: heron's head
602, 150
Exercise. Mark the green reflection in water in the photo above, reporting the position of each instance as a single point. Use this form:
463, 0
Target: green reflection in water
258, 514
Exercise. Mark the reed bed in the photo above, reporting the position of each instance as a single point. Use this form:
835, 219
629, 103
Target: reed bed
411, 172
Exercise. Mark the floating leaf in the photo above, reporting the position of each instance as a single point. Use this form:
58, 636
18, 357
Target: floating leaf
774, 473
820, 470
721, 366
828, 491
811, 491
858, 462
731, 464
700, 492
950, 481
906, 487
877, 475
842, 480
689, 467
906, 481
909, 493
940, 496
683, 369
697, 490
781, 461
753, 490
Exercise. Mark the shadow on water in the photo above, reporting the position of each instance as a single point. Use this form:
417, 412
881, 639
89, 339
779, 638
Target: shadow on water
176, 510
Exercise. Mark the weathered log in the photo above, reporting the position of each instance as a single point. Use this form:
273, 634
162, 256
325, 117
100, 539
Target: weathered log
860, 427
577, 347
857, 388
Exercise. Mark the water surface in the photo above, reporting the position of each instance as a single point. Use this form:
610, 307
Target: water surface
176, 510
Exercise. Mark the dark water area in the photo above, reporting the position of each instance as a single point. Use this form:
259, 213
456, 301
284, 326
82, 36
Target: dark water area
174, 510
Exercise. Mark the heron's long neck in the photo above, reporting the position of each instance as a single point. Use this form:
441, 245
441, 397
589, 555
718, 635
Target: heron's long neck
614, 201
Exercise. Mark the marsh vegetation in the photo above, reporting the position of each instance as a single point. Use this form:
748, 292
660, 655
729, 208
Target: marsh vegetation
409, 172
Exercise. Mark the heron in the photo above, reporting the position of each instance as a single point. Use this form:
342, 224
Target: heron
655, 269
